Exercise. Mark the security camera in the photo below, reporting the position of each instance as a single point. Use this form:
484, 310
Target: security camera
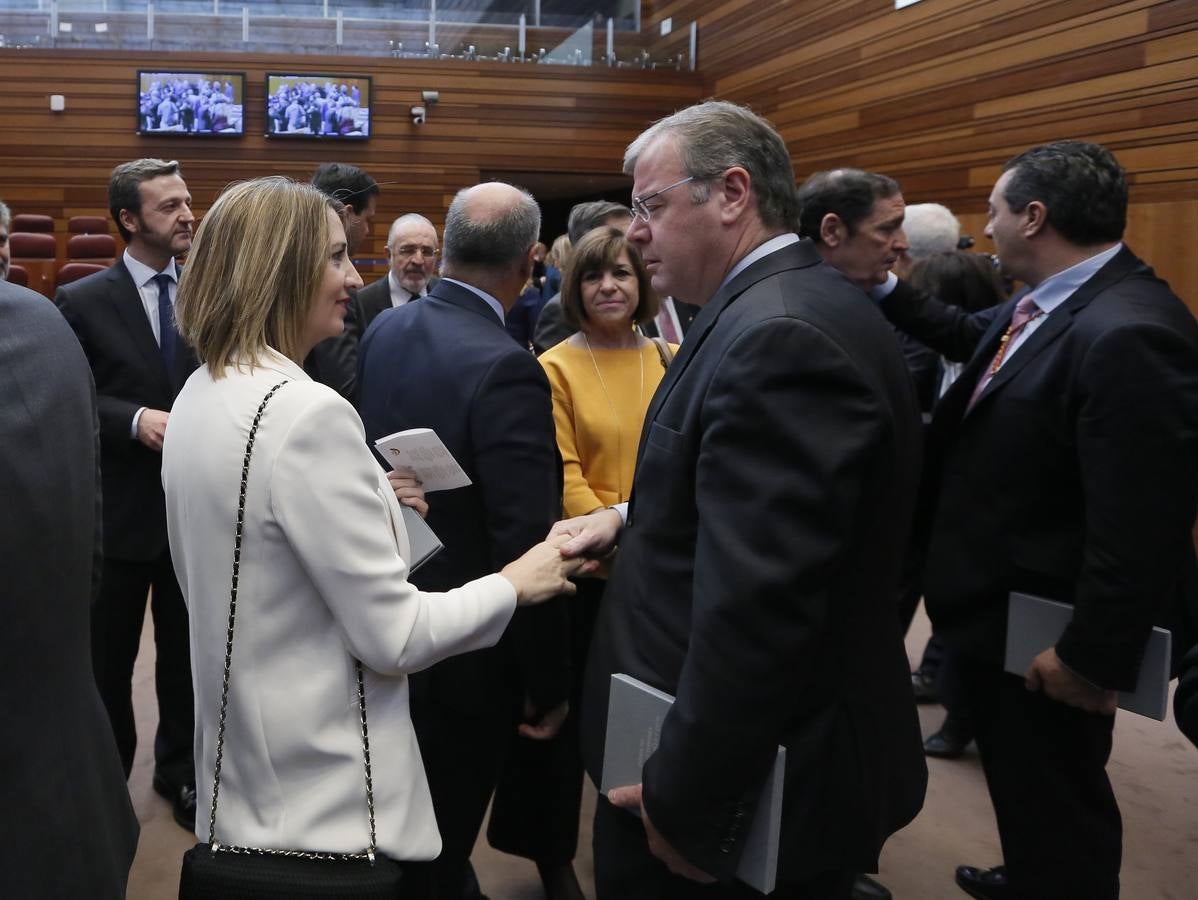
418, 114
430, 97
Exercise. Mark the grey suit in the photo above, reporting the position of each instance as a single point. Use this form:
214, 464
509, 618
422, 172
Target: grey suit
68, 828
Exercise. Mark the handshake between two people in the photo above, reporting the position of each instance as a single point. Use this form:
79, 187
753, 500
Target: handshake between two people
574, 547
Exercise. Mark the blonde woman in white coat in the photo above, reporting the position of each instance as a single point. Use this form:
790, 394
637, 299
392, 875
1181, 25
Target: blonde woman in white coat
323, 579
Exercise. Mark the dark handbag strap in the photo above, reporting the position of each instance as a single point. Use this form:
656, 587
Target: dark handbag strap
224, 693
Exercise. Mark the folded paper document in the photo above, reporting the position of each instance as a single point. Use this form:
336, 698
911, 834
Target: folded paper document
1034, 624
422, 451
635, 713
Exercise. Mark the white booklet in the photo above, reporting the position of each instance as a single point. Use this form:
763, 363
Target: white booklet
635, 714
422, 451
1034, 624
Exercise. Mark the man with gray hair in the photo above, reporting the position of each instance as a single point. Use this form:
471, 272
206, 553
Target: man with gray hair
759, 556
412, 253
489, 402
930, 228
5, 251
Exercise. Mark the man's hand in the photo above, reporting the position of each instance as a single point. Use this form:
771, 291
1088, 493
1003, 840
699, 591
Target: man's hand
151, 428
547, 726
409, 490
631, 798
593, 535
1062, 684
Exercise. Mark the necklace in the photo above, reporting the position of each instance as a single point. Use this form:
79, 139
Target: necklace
640, 399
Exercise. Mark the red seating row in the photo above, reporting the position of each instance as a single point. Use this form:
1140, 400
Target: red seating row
35, 252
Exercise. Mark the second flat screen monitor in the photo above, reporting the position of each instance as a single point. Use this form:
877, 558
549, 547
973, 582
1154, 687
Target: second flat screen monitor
322, 106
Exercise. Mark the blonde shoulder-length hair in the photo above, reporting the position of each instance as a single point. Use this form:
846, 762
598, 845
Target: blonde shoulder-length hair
254, 269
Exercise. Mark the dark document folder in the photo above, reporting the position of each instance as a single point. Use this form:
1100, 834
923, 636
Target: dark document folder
635, 713
1034, 624
422, 540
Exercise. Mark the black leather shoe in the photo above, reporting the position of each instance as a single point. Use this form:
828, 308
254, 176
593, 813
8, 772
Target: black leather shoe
924, 686
950, 741
182, 800
984, 884
866, 888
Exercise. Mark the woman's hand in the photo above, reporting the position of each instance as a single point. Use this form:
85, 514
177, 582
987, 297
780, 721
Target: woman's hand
409, 490
543, 573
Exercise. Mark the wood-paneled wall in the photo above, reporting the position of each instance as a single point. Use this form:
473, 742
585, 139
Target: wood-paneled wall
940, 94
491, 117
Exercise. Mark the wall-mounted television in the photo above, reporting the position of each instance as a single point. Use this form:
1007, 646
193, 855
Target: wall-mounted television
193, 103
323, 106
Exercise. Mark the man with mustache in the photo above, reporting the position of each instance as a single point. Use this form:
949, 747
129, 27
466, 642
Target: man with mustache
412, 251
124, 319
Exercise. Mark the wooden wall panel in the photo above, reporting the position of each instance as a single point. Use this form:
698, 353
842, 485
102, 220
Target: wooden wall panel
491, 118
940, 94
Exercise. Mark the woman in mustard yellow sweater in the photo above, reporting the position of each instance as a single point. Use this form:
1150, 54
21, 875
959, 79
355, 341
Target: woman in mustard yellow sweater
602, 378
604, 375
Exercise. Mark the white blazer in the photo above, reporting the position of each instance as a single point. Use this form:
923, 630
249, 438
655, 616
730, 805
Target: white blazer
323, 580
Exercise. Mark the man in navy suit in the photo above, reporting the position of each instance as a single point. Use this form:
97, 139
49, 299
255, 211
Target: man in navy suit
1064, 464
124, 318
447, 363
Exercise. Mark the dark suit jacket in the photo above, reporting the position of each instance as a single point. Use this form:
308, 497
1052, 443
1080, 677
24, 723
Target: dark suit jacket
756, 579
376, 297
68, 828
106, 313
1075, 474
447, 363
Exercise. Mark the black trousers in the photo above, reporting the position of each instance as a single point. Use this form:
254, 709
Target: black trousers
535, 812
626, 870
463, 754
116, 622
1045, 765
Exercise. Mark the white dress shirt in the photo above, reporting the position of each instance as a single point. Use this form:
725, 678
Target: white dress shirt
147, 288
400, 294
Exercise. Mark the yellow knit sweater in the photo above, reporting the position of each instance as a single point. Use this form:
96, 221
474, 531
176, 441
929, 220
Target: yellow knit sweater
598, 431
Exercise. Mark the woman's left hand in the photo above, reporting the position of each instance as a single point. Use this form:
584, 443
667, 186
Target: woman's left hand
409, 490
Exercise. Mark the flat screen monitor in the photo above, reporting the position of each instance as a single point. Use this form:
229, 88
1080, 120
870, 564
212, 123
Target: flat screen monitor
323, 106
192, 103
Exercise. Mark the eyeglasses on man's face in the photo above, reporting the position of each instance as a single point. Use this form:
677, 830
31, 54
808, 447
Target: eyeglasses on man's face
641, 211
425, 250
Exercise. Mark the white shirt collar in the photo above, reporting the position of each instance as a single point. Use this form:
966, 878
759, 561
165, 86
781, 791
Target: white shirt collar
759, 252
143, 274
487, 298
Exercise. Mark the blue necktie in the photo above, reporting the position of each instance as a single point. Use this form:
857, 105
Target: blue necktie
166, 322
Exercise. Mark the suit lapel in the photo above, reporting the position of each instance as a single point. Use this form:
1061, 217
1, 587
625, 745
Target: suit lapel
124, 295
1056, 323
794, 256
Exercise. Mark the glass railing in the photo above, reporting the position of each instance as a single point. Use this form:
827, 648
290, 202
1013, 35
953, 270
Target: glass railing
561, 32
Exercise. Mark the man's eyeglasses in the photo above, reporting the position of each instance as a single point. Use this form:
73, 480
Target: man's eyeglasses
641, 211
425, 250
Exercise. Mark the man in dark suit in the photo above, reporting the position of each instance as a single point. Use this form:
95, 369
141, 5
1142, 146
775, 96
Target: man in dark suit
68, 828
757, 570
489, 401
412, 254
124, 318
334, 361
1064, 464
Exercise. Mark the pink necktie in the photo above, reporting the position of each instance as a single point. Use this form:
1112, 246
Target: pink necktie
1025, 311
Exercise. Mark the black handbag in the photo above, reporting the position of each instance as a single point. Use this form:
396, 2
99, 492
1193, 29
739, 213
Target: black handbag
214, 871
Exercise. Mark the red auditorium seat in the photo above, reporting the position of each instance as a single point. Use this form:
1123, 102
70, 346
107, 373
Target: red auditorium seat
36, 253
33, 222
92, 248
18, 275
87, 225
73, 271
